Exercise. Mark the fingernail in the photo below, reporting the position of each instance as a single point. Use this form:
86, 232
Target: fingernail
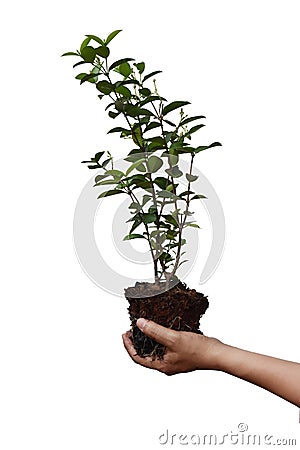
141, 323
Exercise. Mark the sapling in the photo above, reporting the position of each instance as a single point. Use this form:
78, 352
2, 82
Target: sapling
160, 193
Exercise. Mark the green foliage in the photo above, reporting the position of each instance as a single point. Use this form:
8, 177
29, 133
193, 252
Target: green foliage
152, 178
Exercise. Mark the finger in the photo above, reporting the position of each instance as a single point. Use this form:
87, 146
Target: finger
146, 362
160, 334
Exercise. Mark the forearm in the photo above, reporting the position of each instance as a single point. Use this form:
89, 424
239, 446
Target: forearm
276, 375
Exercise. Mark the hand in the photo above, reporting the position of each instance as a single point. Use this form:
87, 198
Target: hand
185, 351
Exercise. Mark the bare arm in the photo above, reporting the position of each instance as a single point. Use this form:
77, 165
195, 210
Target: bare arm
190, 351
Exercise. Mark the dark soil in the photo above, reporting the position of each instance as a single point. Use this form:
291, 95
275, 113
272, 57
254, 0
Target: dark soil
179, 308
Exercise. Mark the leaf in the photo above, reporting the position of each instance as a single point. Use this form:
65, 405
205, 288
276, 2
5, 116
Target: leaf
170, 219
110, 192
102, 51
115, 173
205, 147
111, 36
194, 225
151, 75
185, 260
161, 182
105, 87
100, 178
195, 128
79, 64
125, 69
123, 90
135, 111
98, 156
88, 54
191, 178
145, 92
191, 119
136, 223
117, 130
198, 196
133, 236
154, 163
151, 125
113, 114
85, 42
70, 54
134, 165
174, 172
167, 194
80, 76
95, 38
88, 77
140, 67
120, 61
148, 218
172, 106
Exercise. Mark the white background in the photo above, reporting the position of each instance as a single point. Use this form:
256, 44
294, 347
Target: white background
66, 381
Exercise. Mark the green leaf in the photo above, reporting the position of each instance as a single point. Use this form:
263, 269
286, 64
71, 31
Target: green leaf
167, 194
125, 69
115, 173
191, 178
89, 77
140, 67
80, 76
111, 36
134, 165
133, 236
170, 219
151, 125
110, 192
95, 38
70, 54
113, 114
105, 87
161, 182
85, 42
100, 178
198, 196
98, 156
174, 172
120, 61
123, 90
88, 54
102, 51
148, 218
117, 130
195, 128
191, 119
173, 105
146, 199
145, 92
205, 147
135, 111
151, 75
136, 223
154, 163
194, 225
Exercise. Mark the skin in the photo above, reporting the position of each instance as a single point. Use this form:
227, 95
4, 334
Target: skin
189, 351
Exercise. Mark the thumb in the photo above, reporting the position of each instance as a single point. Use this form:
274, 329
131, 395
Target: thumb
160, 334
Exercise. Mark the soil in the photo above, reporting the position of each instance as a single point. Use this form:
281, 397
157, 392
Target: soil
179, 308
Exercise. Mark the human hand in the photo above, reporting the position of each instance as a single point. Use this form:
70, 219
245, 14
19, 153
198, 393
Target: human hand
185, 351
